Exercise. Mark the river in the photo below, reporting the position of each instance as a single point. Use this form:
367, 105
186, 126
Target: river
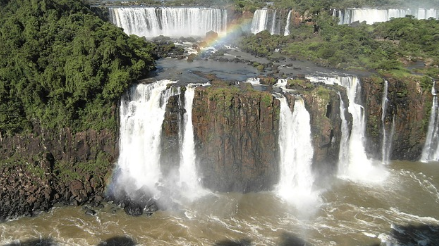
403, 210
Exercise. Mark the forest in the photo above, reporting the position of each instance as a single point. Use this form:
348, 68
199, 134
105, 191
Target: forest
62, 66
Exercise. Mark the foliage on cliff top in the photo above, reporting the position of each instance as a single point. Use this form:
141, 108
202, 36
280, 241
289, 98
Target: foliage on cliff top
62, 66
387, 46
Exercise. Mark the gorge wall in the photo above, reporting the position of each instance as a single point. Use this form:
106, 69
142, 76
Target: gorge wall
236, 140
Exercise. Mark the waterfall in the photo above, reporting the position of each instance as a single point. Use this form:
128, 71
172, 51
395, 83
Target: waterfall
273, 23
343, 159
296, 154
287, 26
259, 21
371, 16
265, 19
189, 179
385, 144
359, 166
174, 22
430, 152
141, 116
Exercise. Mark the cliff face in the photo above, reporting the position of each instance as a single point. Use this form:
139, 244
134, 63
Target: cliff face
408, 107
44, 168
236, 137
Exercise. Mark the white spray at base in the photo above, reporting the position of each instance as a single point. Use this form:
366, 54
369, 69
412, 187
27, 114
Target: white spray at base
296, 154
189, 180
430, 152
359, 168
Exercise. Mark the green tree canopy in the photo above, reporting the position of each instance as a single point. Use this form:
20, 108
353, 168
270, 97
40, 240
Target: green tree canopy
62, 66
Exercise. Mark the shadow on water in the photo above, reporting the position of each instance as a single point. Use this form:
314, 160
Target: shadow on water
35, 242
242, 242
290, 239
118, 241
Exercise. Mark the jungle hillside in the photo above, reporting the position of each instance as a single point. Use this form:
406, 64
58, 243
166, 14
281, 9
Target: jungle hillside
62, 66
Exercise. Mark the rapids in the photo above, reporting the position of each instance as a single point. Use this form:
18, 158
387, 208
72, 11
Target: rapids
400, 211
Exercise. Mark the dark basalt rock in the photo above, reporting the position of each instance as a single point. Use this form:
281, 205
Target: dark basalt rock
133, 209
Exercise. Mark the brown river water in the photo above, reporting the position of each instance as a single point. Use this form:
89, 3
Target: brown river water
403, 210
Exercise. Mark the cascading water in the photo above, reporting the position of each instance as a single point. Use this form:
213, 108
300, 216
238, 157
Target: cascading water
430, 152
344, 143
265, 19
371, 16
296, 154
259, 21
141, 116
359, 166
387, 140
189, 179
139, 166
172, 22
287, 26
273, 23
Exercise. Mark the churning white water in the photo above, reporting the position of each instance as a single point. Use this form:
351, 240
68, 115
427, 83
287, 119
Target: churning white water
359, 167
296, 154
189, 179
141, 116
430, 152
172, 22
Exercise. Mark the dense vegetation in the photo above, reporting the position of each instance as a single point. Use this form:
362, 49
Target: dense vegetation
385, 47
61, 66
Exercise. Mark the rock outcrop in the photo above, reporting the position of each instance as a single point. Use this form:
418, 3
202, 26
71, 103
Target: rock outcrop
236, 134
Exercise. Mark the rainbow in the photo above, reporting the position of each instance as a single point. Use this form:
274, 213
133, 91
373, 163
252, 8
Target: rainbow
232, 31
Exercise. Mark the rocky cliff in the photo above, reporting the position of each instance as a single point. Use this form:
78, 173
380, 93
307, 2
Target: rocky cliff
40, 169
409, 106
